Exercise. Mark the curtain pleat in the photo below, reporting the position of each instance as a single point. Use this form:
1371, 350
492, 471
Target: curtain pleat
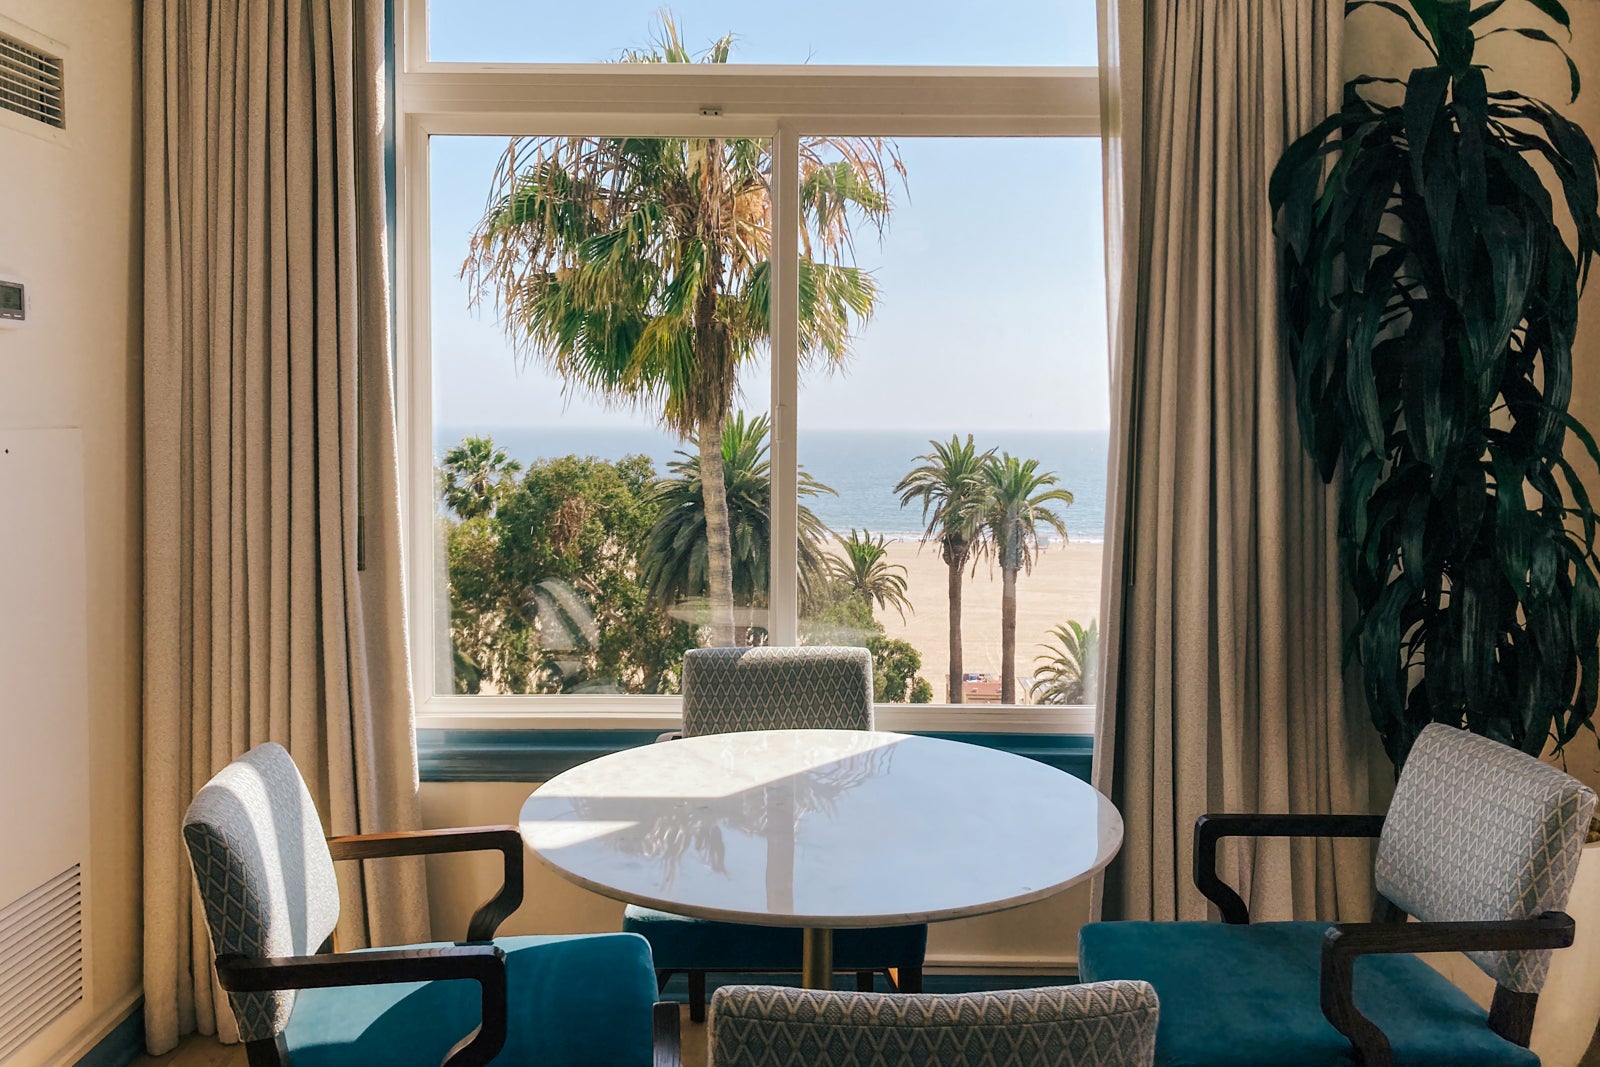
273, 577
1226, 690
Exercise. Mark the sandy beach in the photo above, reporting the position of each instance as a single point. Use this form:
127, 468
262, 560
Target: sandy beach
1064, 584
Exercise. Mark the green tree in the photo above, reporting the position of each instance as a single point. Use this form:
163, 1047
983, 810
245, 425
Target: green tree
895, 664
474, 474
1069, 671
476, 587
545, 593
866, 571
1018, 498
676, 557
839, 616
951, 486
639, 270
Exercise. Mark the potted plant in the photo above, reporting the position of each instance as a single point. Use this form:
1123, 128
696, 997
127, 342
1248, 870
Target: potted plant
1429, 307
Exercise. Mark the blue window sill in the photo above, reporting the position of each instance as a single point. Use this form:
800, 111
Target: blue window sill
539, 755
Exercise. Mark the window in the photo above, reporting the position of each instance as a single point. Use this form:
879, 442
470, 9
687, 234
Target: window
1012, 33
942, 277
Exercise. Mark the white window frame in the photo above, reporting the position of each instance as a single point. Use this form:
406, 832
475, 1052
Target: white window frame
783, 103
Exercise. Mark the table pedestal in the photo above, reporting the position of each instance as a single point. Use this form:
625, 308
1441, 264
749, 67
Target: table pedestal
816, 959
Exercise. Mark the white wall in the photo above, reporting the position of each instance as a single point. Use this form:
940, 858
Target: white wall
70, 221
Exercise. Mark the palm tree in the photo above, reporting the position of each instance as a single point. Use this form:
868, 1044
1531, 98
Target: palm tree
867, 573
1068, 672
675, 562
953, 490
1017, 499
472, 475
638, 269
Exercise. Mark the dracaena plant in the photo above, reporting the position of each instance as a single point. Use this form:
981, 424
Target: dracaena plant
1430, 304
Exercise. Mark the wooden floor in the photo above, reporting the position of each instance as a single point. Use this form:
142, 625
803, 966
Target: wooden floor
206, 1052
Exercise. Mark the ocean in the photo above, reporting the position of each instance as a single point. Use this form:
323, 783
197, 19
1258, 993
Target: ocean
861, 465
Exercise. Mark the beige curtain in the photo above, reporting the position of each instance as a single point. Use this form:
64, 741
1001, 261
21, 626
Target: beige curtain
272, 535
1225, 692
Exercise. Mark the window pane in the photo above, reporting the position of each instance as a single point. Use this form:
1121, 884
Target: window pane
887, 32
990, 323
576, 286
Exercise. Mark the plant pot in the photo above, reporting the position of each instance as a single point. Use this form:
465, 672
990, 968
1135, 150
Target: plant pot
1569, 1006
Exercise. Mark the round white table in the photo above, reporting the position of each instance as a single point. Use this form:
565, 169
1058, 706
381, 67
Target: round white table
821, 829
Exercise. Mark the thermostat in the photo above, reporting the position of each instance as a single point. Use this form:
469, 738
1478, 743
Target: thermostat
13, 303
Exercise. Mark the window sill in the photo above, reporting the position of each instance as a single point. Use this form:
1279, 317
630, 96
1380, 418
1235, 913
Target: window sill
661, 713
519, 745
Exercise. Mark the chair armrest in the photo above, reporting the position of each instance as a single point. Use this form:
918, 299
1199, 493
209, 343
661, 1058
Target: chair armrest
1210, 829
507, 840
484, 964
670, 735
1344, 943
664, 1035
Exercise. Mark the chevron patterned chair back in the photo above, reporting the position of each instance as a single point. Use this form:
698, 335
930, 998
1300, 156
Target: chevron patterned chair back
1107, 1024
1480, 847
1479, 832
264, 873
727, 690
265, 876
731, 690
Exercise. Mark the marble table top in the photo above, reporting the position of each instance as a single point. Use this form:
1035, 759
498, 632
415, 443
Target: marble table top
821, 828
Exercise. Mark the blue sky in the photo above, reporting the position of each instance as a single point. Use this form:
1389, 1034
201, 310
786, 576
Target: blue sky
992, 308
996, 32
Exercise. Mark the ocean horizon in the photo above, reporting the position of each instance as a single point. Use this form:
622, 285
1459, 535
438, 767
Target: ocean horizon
862, 466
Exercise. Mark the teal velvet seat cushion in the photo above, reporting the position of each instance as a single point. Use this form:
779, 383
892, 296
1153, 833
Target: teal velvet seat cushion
679, 943
1248, 996
576, 1001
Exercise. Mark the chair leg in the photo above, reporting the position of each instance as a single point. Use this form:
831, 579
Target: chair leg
909, 979
662, 978
697, 996
266, 1052
864, 981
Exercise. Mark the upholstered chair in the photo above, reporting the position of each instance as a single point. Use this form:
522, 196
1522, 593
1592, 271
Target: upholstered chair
728, 690
266, 881
1107, 1024
1480, 846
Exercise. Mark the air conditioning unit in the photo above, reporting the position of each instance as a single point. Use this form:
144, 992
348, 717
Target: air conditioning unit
33, 82
44, 755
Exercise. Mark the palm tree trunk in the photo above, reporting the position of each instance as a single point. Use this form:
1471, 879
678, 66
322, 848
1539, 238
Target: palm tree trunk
1008, 636
719, 549
955, 694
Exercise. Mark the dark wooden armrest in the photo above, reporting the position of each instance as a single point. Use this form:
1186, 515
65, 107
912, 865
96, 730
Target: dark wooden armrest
484, 964
664, 1032
670, 735
1210, 829
1511, 1015
507, 840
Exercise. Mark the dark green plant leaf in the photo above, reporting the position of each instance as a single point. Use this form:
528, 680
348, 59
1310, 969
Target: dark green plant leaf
1355, 5
1452, 34
1555, 10
1471, 100
1361, 390
1512, 532
1545, 38
1423, 399
1479, 633
1481, 13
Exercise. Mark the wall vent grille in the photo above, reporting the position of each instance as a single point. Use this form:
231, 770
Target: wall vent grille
31, 83
41, 958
